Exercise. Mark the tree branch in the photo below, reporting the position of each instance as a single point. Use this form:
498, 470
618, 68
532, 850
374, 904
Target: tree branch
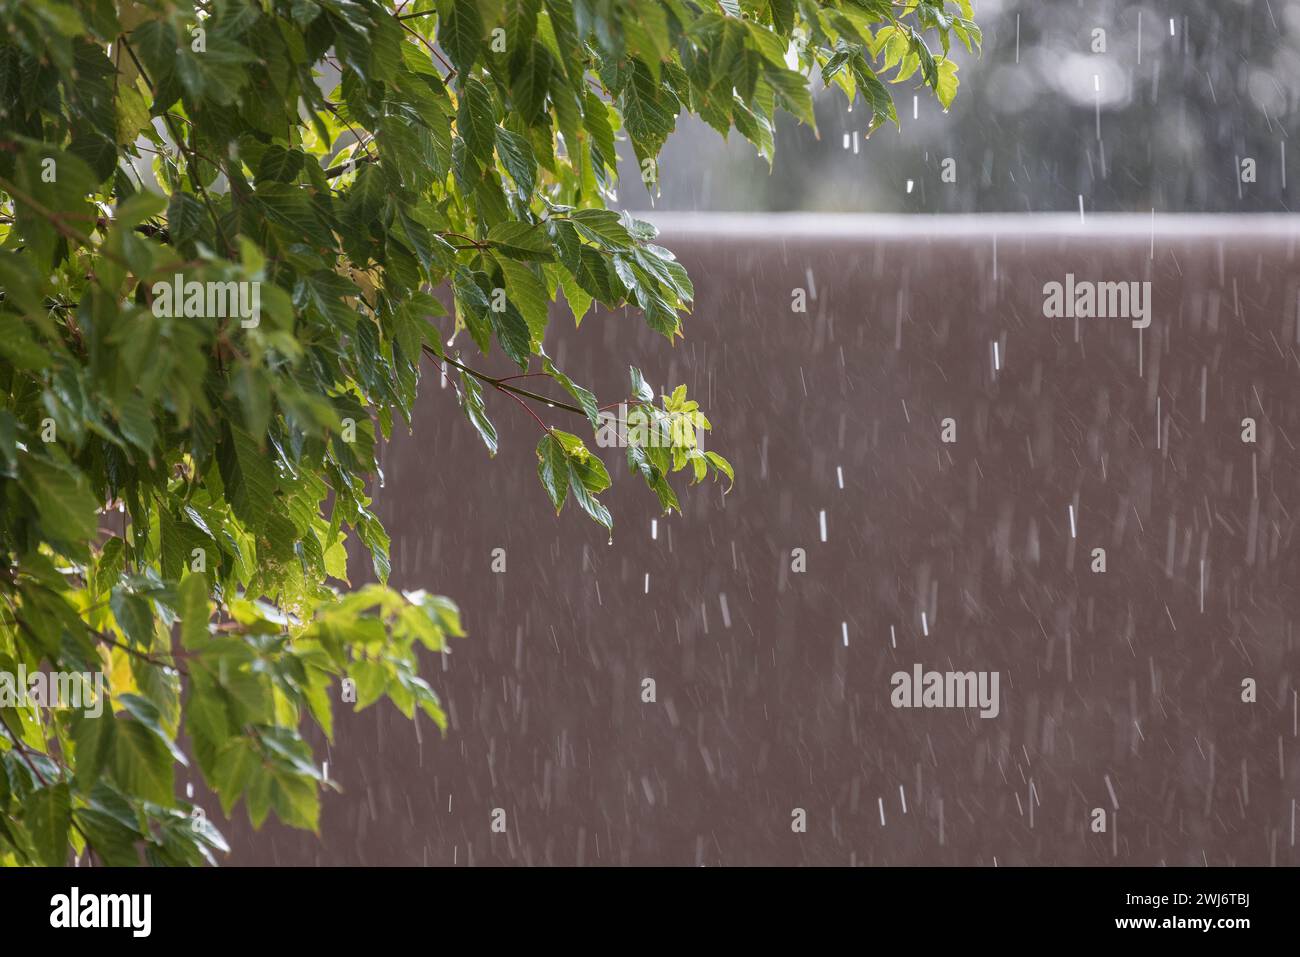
524, 405
189, 153
503, 385
136, 652
24, 752
56, 220
336, 171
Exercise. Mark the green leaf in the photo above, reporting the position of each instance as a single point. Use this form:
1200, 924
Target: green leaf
603, 227
65, 507
585, 499
194, 610
114, 842
295, 799
434, 252
792, 93
142, 763
365, 199
875, 92
929, 70
134, 616
476, 121
553, 470
278, 164
247, 475
472, 307
471, 399
20, 347
235, 766
517, 157
595, 119
147, 715
512, 332
291, 209
578, 298
596, 275
591, 471
94, 746
947, 83
47, 816
529, 81
782, 16
640, 390
520, 240
461, 34
528, 293
723, 466
649, 111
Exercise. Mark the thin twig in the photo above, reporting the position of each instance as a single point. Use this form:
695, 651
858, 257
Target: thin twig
473, 243
143, 656
524, 405
432, 49
505, 386
351, 129
525, 375
22, 752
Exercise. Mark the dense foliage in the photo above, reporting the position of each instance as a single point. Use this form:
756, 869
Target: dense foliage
222, 228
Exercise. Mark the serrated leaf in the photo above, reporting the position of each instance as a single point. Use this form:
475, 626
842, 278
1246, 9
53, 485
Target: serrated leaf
512, 332
603, 227
461, 34
365, 199
585, 499
279, 164
579, 299
528, 293
47, 817
649, 111
529, 80
65, 506
640, 389
723, 466
792, 93
134, 615
247, 474
595, 119
290, 208
946, 89
875, 93
476, 121
472, 403
517, 157
472, 308
143, 763
520, 240
591, 470
194, 609
94, 739
185, 217
553, 471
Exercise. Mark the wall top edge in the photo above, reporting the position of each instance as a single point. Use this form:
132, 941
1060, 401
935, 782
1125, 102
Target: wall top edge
823, 226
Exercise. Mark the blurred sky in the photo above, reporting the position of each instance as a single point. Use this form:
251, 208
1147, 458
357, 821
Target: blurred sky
1178, 113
